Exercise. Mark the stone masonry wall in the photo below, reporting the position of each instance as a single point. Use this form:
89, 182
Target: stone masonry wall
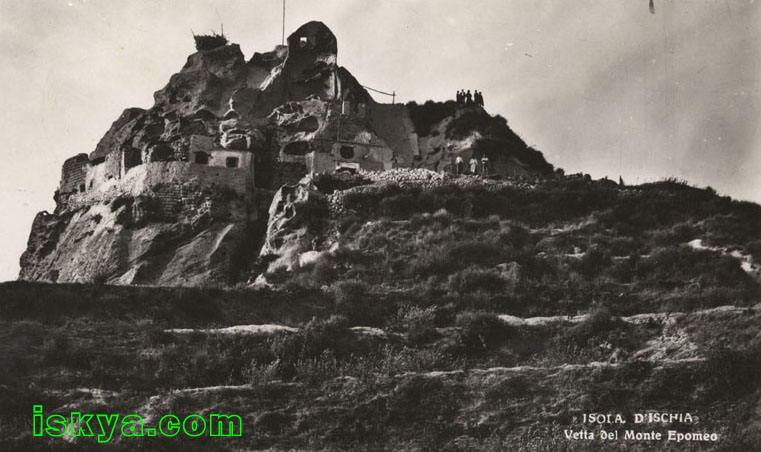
171, 183
73, 174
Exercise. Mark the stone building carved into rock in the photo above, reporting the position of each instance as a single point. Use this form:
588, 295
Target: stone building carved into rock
177, 193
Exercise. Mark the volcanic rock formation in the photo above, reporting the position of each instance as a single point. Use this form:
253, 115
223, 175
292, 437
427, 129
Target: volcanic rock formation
179, 194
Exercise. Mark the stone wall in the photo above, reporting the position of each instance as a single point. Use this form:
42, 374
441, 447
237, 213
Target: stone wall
366, 156
348, 138
73, 174
103, 170
176, 197
219, 157
418, 178
166, 180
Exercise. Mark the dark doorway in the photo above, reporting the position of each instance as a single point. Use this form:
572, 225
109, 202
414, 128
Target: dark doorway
162, 153
296, 148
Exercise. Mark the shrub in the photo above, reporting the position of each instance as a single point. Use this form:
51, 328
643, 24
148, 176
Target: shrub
594, 261
741, 225
480, 330
352, 301
323, 272
709, 268
558, 244
754, 248
58, 349
194, 359
100, 277
514, 235
418, 323
682, 232
259, 373
210, 41
405, 205
622, 269
366, 201
474, 252
310, 341
393, 361
467, 122
447, 258
474, 279
600, 325
427, 115
599, 320
319, 369
618, 245
300, 286
732, 373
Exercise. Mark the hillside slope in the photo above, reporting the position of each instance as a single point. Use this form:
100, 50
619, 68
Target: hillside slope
421, 312
422, 381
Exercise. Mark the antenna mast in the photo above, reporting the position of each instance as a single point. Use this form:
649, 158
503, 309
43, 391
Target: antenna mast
282, 39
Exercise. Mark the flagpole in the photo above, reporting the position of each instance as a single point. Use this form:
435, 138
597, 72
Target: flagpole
282, 41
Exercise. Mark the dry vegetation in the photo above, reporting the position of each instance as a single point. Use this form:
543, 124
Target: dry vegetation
434, 273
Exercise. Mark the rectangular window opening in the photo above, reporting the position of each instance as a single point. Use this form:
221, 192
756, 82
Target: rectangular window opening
231, 162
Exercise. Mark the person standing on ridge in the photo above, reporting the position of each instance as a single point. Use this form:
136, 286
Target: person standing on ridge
468, 98
473, 165
484, 166
458, 164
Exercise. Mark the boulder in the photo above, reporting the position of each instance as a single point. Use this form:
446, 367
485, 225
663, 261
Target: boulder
295, 222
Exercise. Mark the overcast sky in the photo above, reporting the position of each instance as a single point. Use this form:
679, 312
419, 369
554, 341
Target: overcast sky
599, 86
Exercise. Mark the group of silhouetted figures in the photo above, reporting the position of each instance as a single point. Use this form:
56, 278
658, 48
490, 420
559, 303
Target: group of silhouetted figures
473, 166
465, 97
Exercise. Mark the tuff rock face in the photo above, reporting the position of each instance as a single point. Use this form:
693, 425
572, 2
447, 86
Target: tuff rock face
179, 194
296, 224
164, 228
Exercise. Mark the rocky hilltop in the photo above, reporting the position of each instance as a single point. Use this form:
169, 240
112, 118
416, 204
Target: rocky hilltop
386, 303
182, 193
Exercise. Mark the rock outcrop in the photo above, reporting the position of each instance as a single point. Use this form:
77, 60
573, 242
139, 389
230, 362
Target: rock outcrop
296, 224
178, 194
160, 225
